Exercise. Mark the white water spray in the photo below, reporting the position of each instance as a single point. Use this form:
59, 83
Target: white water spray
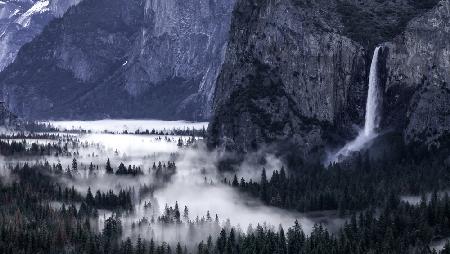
372, 121
373, 97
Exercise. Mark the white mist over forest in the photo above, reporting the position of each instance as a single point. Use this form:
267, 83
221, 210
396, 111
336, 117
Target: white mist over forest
126, 125
196, 184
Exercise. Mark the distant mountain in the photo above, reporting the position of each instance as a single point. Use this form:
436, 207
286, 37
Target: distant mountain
122, 59
22, 20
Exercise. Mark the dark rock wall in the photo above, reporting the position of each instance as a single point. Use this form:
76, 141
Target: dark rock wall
289, 74
418, 85
297, 71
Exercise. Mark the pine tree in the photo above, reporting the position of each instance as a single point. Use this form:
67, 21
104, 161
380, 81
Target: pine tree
140, 246
282, 248
186, 214
177, 214
91, 168
179, 250
230, 242
282, 174
208, 217
74, 164
264, 184
109, 169
221, 242
90, 198
122, 170
151, 247
235, 182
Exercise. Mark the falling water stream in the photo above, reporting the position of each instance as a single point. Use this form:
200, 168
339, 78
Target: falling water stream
373, 98
372, 115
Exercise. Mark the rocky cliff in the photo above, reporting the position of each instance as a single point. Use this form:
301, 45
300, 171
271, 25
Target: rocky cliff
297, 71
418, 85
118, 58
181, 42
22, 20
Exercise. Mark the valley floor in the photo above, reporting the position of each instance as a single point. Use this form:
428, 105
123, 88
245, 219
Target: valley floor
121, 186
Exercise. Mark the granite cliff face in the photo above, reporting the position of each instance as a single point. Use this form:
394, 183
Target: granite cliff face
297, 73
181, 41
418, 85
289, 75
117, 58
22, 20
275, 71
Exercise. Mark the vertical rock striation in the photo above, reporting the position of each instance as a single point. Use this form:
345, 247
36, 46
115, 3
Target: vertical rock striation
118, 58
418, 82
297, 72
289, 76
52, 73
184, 40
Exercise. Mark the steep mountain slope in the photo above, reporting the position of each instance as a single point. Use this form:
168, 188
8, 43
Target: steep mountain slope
418, 85
22, 20
296, 72
288, 75
118, 58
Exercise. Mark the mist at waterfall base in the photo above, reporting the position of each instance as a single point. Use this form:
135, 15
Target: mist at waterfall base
372, 119
196, 184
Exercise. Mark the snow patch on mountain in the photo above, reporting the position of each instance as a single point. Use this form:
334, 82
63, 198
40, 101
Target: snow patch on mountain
21, 21
39, 7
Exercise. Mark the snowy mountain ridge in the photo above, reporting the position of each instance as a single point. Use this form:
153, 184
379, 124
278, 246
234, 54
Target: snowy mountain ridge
22, 20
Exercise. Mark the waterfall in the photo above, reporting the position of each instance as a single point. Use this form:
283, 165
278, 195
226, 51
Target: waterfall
372, 120
373, 97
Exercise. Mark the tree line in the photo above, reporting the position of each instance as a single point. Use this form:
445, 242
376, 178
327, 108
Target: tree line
346, 187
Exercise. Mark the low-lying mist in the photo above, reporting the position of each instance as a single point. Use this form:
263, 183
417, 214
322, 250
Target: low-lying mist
126, 125
196, 184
